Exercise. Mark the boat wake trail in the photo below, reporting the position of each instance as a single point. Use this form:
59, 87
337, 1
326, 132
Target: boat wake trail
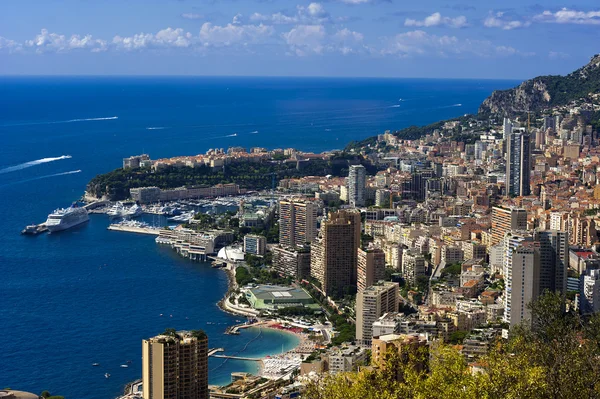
254, 132
109, 118
71, 172
156, 128
394, 106
450, 106
32, 163
232, 135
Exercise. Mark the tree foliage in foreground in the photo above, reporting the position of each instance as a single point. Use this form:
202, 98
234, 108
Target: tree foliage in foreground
558, 357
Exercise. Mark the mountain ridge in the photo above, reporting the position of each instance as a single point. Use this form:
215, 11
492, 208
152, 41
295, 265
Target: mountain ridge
544, 92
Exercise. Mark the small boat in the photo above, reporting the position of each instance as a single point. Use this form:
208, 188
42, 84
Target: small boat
95, 364
124, 366
106, 375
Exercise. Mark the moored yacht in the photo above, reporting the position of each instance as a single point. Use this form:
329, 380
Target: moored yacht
118, 210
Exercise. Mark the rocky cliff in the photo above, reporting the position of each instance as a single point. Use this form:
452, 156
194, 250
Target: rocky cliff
544, 92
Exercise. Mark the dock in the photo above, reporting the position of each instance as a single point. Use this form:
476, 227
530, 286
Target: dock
35, 229
134, 229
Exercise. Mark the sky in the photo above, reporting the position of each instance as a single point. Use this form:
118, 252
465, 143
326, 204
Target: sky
495, 39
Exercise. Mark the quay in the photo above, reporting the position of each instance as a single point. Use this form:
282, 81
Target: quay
134, 229
35, 229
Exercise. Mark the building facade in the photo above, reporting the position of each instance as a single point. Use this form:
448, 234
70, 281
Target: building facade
297, 222
505, 220
413, 266
372, 303
255, 244
334, 254
589, 291
518, 162
357, 178
292, 262
371, 267
175, 366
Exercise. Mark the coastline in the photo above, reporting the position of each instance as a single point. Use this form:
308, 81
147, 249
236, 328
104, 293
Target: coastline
269, 364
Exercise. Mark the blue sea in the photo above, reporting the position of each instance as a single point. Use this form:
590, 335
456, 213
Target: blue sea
89, 295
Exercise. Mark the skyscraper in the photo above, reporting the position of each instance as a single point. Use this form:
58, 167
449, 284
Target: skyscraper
554, 260
297, 222
371, 267
505, 220
175, 366
371, 304
533, 263
518, 162
521, 271
417, 184
506, 128
334, 254
357, 178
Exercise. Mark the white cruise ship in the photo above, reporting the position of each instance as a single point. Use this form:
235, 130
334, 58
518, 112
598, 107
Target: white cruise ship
62, 219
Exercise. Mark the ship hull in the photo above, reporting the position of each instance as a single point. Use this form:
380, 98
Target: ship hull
64, 226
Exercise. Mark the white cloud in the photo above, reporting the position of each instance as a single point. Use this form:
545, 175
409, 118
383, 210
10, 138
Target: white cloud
436, 19
316, 10
301, 40
209, 36
53, 42
313, 14
347, 34
166, 38
191, 15
230, 34
237, 19
419, 42
347, 42
305, 39
277, 18
567, 16
498, 20
558, 55
10, 45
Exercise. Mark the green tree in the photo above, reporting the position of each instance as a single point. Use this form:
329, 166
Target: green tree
554, 357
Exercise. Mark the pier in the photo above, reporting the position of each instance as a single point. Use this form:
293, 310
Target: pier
134, 229
250, 359
213, 351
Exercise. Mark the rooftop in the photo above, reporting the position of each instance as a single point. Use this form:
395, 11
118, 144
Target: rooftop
279, 292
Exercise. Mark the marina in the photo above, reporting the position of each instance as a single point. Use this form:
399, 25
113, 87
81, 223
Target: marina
130, 226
